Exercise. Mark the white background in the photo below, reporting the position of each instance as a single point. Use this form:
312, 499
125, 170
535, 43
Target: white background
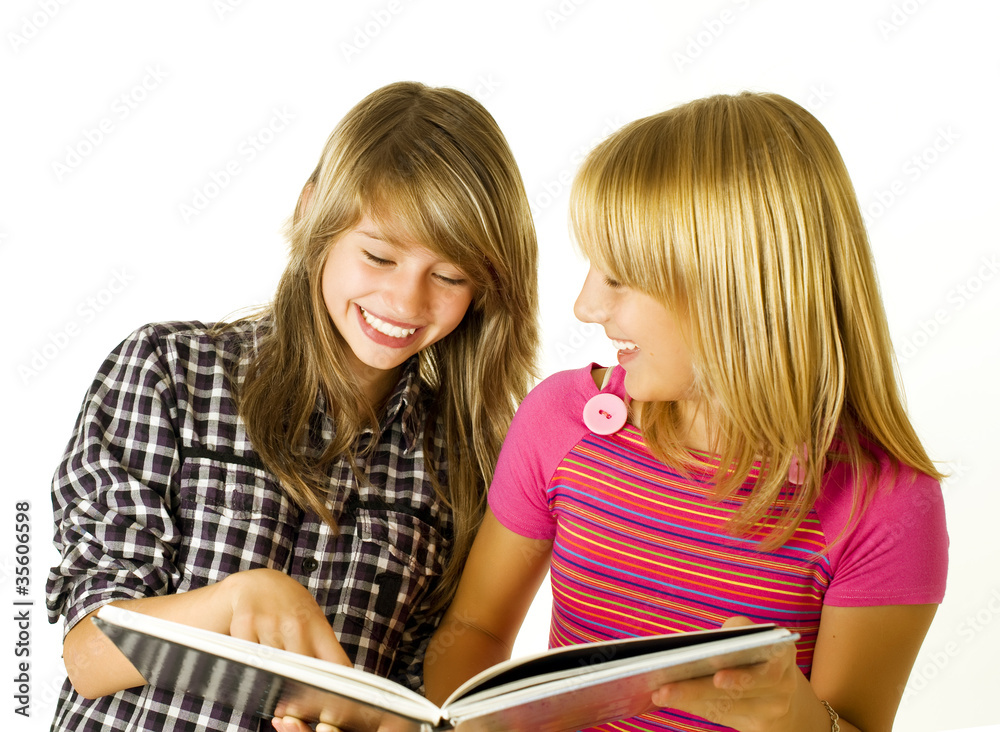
118, 114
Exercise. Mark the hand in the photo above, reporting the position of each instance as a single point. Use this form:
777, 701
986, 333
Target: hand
271, 608
291, 724
751, 699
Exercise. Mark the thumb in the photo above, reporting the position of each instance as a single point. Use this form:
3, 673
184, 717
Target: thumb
737, 621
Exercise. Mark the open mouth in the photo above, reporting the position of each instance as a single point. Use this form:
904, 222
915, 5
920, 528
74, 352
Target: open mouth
393, 331
624, 345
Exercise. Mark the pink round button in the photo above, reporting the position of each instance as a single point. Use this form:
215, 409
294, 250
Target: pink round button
604, 414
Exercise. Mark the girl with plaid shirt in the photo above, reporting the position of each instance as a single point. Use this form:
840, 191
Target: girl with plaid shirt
311, 477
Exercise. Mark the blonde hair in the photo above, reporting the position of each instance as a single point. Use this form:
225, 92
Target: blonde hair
428, 165
737, 212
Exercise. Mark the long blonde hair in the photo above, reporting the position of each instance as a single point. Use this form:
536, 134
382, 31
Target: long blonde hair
427, 165
738, 213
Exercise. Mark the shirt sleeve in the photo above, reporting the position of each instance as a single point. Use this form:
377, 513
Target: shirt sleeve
896, 552
111, 497
547, 425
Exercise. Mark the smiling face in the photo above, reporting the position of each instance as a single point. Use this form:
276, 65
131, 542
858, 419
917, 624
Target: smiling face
651, 347
389, 302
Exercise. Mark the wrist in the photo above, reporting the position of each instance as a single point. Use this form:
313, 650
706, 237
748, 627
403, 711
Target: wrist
808, 713
834, 717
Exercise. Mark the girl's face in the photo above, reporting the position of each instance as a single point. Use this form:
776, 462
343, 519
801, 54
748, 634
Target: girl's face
390, 302
651, 347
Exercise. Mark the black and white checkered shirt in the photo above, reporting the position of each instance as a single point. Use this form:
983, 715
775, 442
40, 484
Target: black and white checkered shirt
161, 492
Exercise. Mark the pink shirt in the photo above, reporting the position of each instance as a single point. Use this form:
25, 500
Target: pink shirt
640, 548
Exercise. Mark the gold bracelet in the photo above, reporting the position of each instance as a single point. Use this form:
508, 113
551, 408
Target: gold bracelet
833, 716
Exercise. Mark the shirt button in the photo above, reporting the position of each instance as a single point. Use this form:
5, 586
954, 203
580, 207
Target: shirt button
309, 565
605, 414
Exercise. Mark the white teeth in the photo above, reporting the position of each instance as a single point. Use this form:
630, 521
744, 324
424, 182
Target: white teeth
385, 328
624, 345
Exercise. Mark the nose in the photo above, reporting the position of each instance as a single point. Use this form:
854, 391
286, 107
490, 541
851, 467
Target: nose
407, 295
590, 305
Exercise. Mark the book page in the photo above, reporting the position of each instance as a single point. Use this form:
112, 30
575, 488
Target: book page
603, 692
575, 660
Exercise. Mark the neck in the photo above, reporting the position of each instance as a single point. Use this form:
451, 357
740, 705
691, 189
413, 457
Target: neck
377, 385
692, 430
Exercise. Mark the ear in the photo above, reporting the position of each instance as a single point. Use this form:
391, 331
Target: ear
305, 200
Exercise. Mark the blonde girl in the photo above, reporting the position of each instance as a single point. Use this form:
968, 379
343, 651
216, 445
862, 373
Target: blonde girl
763, 467
311, 478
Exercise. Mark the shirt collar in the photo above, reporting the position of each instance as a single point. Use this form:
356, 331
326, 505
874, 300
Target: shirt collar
404, 402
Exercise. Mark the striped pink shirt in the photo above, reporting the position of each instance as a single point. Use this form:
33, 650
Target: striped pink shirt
640, 548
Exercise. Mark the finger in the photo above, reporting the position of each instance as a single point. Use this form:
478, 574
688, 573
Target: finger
737, 621
702, 698
314, 638
686, 692
324, 727
292, 724
327, 648
728, 684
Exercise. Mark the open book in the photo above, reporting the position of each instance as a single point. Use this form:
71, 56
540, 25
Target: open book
561, 690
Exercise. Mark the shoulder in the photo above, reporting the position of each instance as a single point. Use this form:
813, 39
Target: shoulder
888, 492
889, 546
192, 340
563, 390
547, 425
165, 356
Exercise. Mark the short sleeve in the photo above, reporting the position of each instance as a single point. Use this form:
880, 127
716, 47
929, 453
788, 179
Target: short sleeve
547, 425
114, 528
896, 553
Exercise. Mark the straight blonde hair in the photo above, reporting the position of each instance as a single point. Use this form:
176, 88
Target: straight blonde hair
737, 212
428, 165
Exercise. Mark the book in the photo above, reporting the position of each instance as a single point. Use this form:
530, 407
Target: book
559, 690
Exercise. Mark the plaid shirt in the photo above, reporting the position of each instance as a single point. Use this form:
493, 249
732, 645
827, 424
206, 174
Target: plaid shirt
160, 492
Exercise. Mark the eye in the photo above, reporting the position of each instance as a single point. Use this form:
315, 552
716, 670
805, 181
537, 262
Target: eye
613, 284
378, 261
451, 281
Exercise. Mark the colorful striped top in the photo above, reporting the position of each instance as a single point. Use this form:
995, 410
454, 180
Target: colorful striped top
640, 548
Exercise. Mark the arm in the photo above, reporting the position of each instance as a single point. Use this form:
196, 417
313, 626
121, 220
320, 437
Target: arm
114, 503
501, 576
244, 605
862, 659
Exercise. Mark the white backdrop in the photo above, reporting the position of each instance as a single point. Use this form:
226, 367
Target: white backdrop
151, 152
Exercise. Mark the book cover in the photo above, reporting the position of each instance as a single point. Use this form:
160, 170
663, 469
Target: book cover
560, 690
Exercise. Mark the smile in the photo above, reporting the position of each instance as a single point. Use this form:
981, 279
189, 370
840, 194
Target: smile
393, 331
624, 345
